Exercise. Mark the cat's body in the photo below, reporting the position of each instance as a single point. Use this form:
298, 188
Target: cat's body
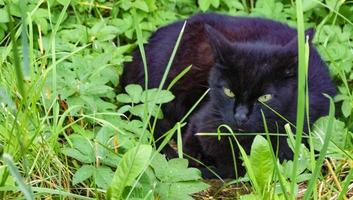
248, 57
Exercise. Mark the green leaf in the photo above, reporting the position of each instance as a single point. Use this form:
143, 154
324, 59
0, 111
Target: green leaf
139, 110
261, 160
126, 4
134, 91
130, 166
103, 176
43, 23
111, 74
111, 159
15, 9
82, 174
2, 34
269, 8
63, 2
232, 5
76, 34
103, 32
8, 180
310, 4
4, 16
347, 107
215, 3
82, 144
94, 89
6, 99
140, 4
333, 4
151, 5
179, 190
105, 146
103, 139
123, 98
204, 4
287, 167
177, 181
163, 96
145, 187
250, 196
104, 106
74, 153
337, 142
87, 133
177, 170
123, 24
107, 33
124, 109
25, 188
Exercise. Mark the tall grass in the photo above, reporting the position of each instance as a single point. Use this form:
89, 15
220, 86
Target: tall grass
177, 128
30, 159
33, 159
148, 116
302, 74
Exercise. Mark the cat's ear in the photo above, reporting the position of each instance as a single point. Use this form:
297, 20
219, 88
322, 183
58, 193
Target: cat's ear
291, 52
293, 44
310, 33
221, 46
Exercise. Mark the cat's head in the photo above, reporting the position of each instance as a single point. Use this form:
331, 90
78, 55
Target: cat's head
250, 78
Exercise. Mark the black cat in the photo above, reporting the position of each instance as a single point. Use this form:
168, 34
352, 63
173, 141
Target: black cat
246, 62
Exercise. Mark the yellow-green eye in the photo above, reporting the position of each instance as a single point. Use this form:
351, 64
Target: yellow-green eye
265, 98
228, 92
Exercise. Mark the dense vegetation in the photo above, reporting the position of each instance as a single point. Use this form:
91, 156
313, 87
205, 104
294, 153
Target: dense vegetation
65, 128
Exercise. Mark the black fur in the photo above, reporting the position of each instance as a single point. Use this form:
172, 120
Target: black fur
251, 57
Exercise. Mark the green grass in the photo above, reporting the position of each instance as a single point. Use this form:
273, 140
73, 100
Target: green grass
60, 67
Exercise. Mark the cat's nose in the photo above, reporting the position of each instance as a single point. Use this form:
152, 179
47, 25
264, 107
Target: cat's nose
241, 114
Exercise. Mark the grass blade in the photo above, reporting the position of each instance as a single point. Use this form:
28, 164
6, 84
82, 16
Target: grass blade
60, 193
346, 183
24, 39
179, 76
130, 166
246, 159
26, 189
301, 100
18, 69
322, 152
281, 178
179, 141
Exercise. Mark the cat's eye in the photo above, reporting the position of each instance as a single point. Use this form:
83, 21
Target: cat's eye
265, 98
228, 92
